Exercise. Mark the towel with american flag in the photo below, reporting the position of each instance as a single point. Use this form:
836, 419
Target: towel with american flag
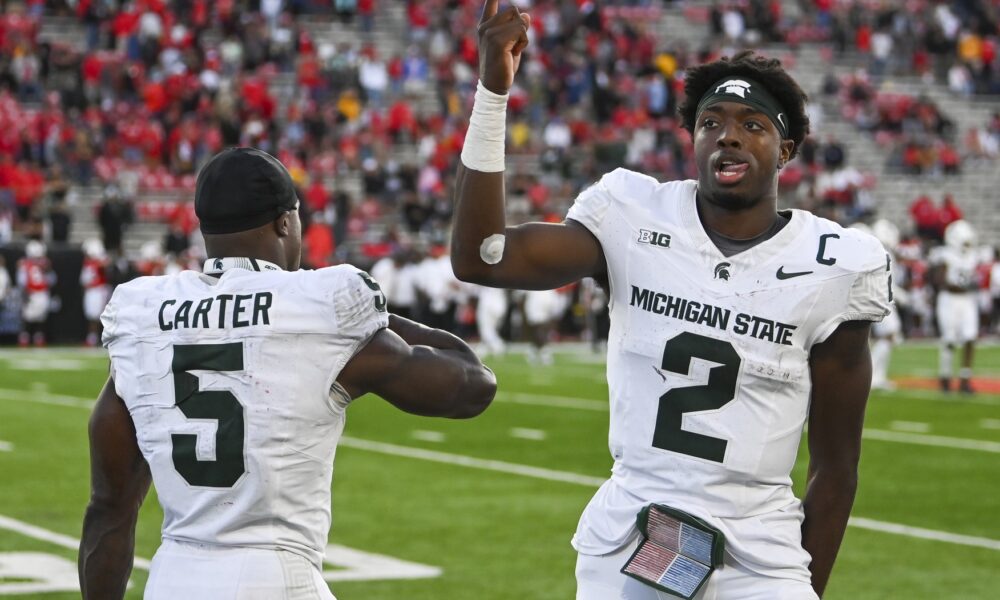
678, 551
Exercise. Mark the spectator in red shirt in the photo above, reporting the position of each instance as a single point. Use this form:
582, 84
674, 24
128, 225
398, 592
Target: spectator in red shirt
926, 218
317, 196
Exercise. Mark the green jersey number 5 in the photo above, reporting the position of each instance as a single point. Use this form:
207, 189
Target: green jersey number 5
218, 405
719, 391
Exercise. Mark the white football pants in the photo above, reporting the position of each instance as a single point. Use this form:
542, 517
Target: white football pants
185, 571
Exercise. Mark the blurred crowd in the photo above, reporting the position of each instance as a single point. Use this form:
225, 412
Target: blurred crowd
366, 102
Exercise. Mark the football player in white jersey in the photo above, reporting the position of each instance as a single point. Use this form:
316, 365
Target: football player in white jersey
954, 274
732, 325
889, 332
228, 390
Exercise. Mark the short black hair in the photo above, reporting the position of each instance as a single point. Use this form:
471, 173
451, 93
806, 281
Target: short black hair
766, 71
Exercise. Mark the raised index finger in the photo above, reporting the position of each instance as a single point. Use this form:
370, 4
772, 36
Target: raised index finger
489, 9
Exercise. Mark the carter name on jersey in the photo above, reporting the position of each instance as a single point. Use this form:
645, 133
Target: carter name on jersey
238, 310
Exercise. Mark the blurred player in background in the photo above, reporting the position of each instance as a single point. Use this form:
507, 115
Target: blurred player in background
4, 280
542, 310
594, 298
954, 274
995, 291
732, 325
96, 289
436, 281
889, 331
35, 277
229, 390
491, 308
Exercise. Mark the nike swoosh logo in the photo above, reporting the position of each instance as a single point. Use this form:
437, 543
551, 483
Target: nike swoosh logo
782, 275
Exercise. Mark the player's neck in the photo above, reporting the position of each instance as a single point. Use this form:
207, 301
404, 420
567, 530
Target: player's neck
271, 255
738, 223
260, 243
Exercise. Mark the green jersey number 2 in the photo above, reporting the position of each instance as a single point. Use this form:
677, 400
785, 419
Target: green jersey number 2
719, 391
218, 405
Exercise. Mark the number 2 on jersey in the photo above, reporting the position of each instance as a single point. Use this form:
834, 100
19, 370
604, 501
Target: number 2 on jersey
219, 405
719, 391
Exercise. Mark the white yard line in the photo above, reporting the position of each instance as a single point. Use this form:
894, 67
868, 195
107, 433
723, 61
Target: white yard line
931, 440
355, 564
45, 398
524, 433
6, 446
925, 534
71, 543
469, 461
911, 426
427, 436
552, 475
989, 423
65, 541
576, 404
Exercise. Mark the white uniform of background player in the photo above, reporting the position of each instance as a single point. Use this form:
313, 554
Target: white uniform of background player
241, 451
4, 280
889, 331
35, 278
96, 289
403, 292
542, 308
384, 272
957, 311
731, 336
436, 279
491, 308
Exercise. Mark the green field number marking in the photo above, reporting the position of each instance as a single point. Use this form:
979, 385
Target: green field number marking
719, 391
219, 405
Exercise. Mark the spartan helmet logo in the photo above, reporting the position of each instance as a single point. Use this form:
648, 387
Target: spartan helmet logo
722, 271
737, 87
217, 265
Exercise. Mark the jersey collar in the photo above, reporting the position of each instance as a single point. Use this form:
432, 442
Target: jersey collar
753, 256
218, 266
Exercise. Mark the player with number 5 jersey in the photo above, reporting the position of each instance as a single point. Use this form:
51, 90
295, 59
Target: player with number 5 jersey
733, 325
229, 390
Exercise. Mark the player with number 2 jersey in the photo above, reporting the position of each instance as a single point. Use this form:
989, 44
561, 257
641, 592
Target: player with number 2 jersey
733, 324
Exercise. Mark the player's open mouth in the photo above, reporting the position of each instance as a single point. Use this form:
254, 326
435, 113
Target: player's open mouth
729, 171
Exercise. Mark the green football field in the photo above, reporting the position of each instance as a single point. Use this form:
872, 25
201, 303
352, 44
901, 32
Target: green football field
484, 509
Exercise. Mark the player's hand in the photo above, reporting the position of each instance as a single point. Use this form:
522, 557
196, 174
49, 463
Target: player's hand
502, 38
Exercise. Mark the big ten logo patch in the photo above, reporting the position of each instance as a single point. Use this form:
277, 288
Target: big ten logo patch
654, 238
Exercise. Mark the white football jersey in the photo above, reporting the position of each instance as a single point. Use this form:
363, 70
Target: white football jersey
229, 382
959, 265
708, 362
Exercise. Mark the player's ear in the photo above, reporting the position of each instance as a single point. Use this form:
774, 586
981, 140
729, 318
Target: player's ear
283, 225
785, 152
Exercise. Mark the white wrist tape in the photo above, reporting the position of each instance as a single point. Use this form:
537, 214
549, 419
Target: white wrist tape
485, 140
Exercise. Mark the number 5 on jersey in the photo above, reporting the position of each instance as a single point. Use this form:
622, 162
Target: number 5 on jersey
218, 405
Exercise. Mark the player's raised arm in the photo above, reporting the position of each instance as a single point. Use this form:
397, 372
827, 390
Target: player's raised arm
841, 372
422, 371
119, 480
483, 249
